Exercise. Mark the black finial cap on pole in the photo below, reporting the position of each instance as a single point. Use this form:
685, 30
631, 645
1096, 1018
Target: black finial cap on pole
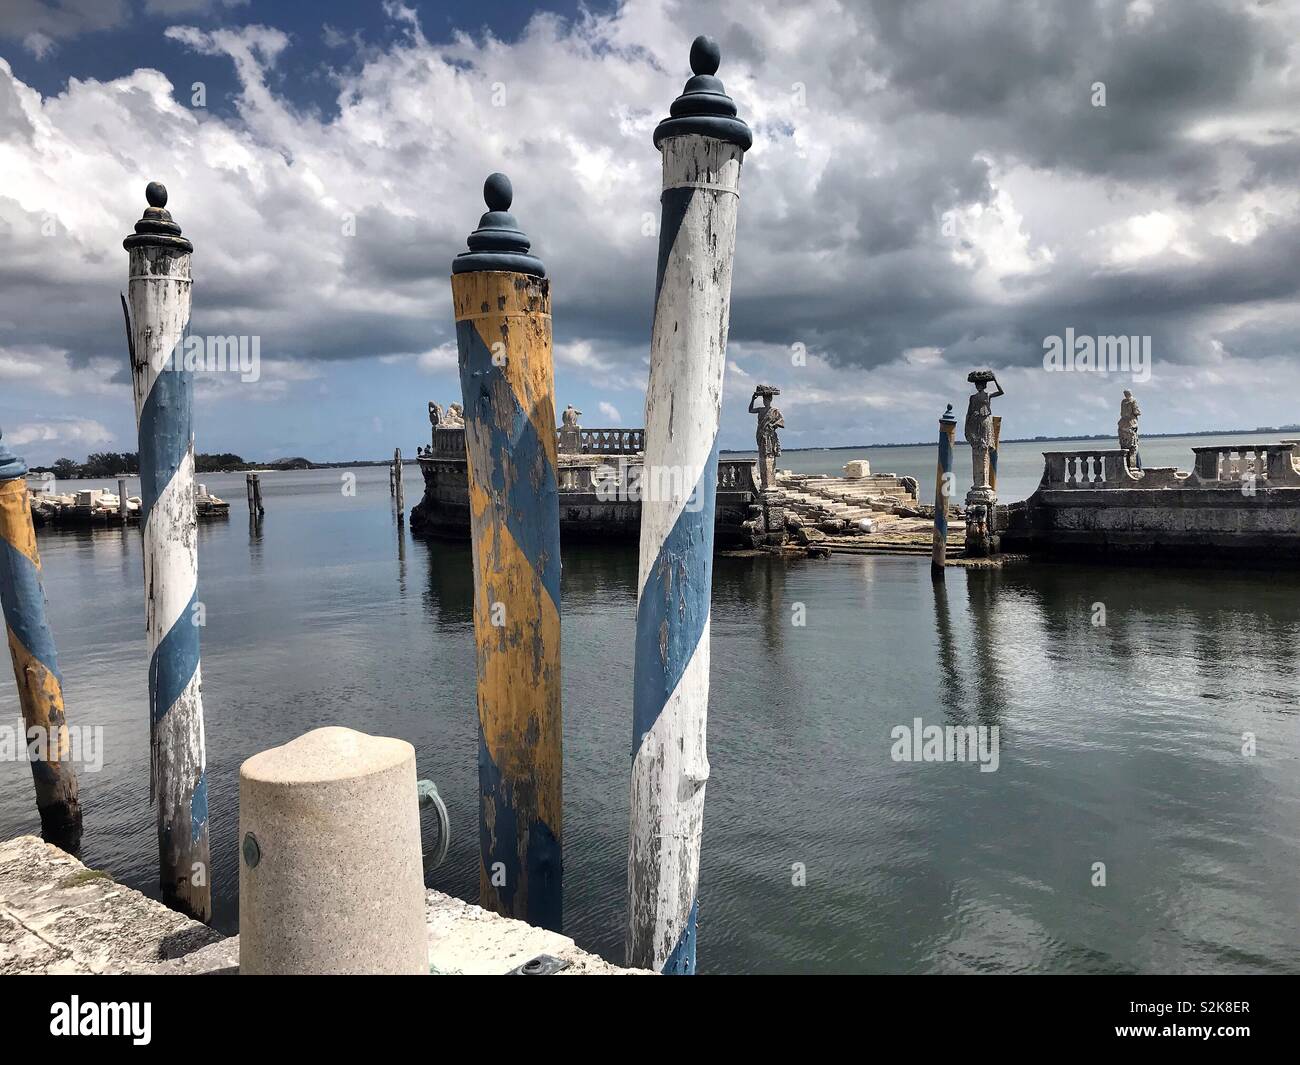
11, 465
156, 228
498, 243
948, 416
704, 106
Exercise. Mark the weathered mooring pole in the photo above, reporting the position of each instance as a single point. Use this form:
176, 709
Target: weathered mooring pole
121, 500
702, 145
253, 486
502, 303
943, 482
36, 667
397, 482
158, 317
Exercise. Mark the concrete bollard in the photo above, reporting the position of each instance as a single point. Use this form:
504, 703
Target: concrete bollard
331, 877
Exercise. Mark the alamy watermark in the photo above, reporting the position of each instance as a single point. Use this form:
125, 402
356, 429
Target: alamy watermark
919, 742
1098, 354
132, 1020
216, 354
634, 483
85, 745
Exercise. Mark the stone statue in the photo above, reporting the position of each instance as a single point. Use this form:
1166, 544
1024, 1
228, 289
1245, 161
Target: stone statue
979, 424
454, 418
981, 534
1129, 413
435, 414
570, 431
769, 444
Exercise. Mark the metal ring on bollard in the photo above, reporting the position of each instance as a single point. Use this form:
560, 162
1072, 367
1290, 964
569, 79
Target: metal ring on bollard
428, 793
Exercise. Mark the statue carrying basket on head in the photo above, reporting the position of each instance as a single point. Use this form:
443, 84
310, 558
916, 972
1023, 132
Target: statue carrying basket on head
979, 423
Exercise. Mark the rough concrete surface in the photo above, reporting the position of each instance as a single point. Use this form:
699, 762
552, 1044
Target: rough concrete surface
57, 916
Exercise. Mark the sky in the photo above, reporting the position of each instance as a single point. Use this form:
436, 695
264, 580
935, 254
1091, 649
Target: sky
934, 187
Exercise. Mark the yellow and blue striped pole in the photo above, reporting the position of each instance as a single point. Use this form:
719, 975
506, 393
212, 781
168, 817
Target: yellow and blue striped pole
36, 667
943, 482
502, 304
158, 318
702, 145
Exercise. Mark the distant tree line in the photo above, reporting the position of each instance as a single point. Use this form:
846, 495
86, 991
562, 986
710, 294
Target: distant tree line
118, 464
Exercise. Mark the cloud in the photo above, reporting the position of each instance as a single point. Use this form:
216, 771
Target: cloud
80, 434
610, 413
39, 44
60, 19
924, 178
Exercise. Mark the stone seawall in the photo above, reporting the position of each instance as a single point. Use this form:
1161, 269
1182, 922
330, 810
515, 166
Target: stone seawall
1220, 524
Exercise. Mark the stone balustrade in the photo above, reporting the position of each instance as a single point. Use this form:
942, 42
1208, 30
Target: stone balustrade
1231, 464
734, 475
1087, 468
610, 441
1226, 465
451, 442
739, 475
448, 443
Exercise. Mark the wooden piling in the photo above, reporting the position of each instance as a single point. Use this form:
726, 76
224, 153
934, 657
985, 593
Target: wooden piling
36, 668
942, 482
397, 480
158, 314
502, 305
121, 500
702, 146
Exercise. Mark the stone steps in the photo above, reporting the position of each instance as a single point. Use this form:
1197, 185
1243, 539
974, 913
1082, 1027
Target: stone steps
819, 498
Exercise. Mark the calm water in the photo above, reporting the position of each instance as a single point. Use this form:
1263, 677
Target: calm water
1119, 744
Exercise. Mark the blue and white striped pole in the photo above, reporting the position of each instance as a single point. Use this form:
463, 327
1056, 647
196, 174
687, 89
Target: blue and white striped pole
702, 145
158, 318
36, 666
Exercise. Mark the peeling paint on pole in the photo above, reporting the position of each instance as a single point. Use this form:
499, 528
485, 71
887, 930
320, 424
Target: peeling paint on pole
502, 306
36, 667
702, 145
943, 480
158, 316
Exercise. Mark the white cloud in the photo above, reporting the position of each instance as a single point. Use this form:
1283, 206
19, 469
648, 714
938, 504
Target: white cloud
610, 413
82, 433
39, 44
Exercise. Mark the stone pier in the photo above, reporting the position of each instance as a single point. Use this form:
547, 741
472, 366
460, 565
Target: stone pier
59, 917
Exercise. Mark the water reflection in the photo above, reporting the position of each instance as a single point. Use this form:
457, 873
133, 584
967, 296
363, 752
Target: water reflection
954, 690
988, 644
449, 594
255, 539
